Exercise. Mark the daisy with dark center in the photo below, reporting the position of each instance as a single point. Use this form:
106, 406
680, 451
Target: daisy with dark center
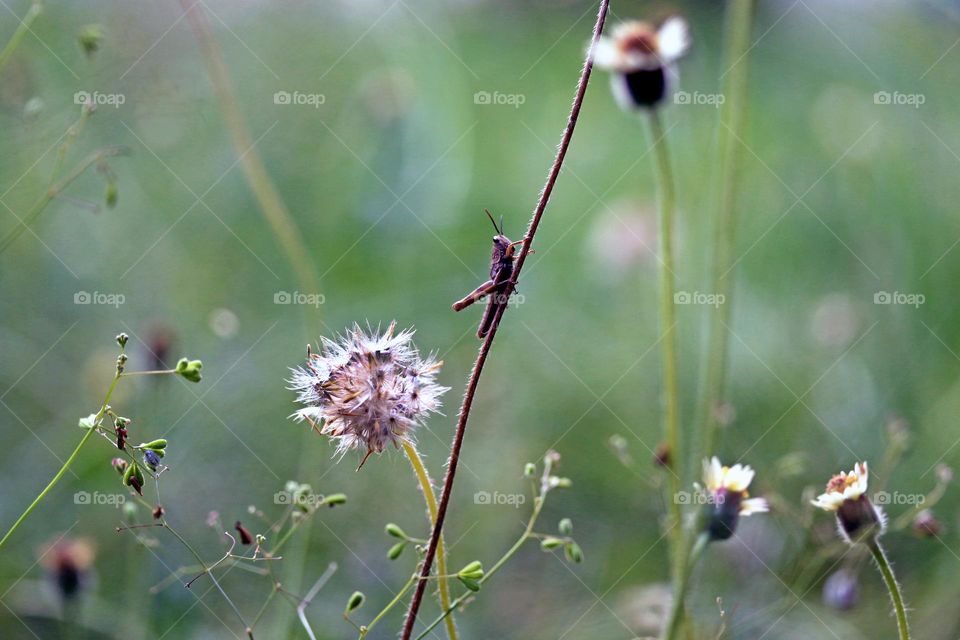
726, 500
860, 522
367, 390
641, 59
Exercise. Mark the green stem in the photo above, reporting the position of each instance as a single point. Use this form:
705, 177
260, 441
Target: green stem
53, 191
21, 31
397, 598
671, 398
66, 465
730, 147
675, 621
881, 558
527, 535
271, 204
443, 587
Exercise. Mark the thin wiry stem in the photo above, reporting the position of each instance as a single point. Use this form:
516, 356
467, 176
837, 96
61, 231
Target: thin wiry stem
443, 586
66, 465
895, 596
730, 134
474, 379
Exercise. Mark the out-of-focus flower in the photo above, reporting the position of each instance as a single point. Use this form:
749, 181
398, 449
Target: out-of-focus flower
846, 495
367, 391
67, 561
925, 524
641, 59
841, 591
728, 498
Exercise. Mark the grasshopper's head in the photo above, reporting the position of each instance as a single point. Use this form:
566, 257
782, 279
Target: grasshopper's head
501, 243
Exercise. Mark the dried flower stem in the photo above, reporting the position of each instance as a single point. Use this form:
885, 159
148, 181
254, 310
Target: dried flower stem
675, 621
21, 31
895, 596
67, 464
474, 379
271, 204
528, 534
443, 586
730, 133
671, 394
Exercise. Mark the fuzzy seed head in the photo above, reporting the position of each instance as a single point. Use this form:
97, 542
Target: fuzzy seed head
366, 389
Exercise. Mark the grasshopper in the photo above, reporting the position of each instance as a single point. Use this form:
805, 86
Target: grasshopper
496, 288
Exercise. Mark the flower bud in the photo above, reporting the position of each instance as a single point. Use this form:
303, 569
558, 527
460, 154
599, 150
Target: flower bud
573, 552
926, 525
89, 38
156, 445
152, 459
189, 369
244, 533
549, 543
355, 602
395, 531
110, 194
335, 499
396, 550
529, 470
119, 464
122, 339
473, 571
565, 527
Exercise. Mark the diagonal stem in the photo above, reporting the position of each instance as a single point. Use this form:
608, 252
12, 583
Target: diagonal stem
474, 379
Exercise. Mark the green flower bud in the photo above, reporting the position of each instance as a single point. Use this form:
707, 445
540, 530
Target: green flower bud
548, 544
473, 571
573, 552
355, 602
395, 531
560, 483
529, 470
189, 369
122, 339
335, 499
396, 550
565, 527
89, 38
110, 194
157, 445
473, 585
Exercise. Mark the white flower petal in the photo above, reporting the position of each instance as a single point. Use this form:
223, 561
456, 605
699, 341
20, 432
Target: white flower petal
673, 38
754, 505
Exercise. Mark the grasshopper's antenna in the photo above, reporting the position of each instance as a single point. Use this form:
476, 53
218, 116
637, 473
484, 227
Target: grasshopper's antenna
494, 222
501, 225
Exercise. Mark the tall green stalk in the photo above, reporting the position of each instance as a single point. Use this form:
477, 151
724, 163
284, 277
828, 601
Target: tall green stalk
668, 341
732, 118
443, 586
21, 31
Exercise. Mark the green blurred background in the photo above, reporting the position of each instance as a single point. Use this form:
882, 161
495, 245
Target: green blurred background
386, 180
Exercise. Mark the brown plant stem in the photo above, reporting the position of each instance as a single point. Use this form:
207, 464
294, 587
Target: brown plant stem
474, 379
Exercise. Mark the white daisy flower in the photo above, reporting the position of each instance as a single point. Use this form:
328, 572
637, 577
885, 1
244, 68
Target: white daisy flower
728, 498
846, 495
846, 486
642, 60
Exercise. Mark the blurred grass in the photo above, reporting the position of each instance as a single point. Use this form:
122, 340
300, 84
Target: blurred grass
399, 119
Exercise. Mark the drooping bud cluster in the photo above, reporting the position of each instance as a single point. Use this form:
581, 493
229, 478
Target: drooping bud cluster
367, 391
